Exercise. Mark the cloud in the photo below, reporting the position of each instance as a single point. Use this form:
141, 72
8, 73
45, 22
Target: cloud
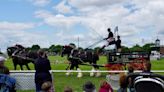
4, 25
94, 21
58, 20
40, 2
16, 32
63, 8
12, 37
134, 20
94, 3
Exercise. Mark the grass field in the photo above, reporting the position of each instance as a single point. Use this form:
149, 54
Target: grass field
60, 80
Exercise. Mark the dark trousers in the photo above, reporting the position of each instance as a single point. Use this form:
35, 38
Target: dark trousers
38, 87
40, 78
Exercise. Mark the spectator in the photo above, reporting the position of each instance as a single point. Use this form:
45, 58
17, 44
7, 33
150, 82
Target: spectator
3, 69
130, 82
130, 69
147, 67
2, 59
42, 67
47, 87
89, 87
7, 84
123, 84
105, 87
68, 89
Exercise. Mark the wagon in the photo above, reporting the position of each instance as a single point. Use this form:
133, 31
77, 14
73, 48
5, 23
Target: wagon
119, 61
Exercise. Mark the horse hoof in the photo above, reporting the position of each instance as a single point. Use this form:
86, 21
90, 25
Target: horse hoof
91, 74
80, 75
67, 74
98, 74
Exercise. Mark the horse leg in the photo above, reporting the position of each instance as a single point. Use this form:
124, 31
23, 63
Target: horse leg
21, 66
79, 75
92, 73
15, 63
28, 67
98, 74
72, 66
15, 66
70, 69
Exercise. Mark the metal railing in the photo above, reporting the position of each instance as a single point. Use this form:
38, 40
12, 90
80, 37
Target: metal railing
84, 71
25, 79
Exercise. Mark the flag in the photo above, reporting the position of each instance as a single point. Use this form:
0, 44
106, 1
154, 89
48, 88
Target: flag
116, 32
116, 29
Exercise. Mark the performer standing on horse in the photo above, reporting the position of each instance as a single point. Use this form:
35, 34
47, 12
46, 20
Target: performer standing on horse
110, 39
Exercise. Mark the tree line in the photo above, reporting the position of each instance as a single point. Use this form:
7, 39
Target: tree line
57, 48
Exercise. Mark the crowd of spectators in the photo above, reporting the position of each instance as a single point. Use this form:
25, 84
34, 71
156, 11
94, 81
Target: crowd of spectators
126, 85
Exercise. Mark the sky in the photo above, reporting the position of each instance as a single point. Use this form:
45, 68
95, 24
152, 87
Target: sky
47, 22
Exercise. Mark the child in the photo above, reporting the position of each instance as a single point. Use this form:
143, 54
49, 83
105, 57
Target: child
105, 87
47, 87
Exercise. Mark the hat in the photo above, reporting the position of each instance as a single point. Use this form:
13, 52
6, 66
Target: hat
89, 87
2, 59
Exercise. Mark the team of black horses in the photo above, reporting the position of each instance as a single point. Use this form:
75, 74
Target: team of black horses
78, 57
22, 56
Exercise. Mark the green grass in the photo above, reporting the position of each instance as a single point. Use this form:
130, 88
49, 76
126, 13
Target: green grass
158, 65
60, 80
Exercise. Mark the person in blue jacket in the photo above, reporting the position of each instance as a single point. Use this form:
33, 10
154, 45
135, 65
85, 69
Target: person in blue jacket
7, 83
42, 67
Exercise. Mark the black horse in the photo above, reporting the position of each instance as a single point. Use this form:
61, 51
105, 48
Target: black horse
21, 56
77, 57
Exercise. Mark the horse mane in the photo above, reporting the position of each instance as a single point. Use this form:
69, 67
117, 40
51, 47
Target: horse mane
20, 46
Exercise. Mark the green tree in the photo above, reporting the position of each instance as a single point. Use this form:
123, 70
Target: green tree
96, 49
52, 48
125, 49
80, 48
136, 48
58, 48
147, 47
35, 47
45, 49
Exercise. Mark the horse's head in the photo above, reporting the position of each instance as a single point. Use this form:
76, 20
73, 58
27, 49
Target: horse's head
66, 50
11, 50
19, 46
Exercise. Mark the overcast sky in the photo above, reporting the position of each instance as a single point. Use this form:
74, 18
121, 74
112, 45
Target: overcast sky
47, 22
